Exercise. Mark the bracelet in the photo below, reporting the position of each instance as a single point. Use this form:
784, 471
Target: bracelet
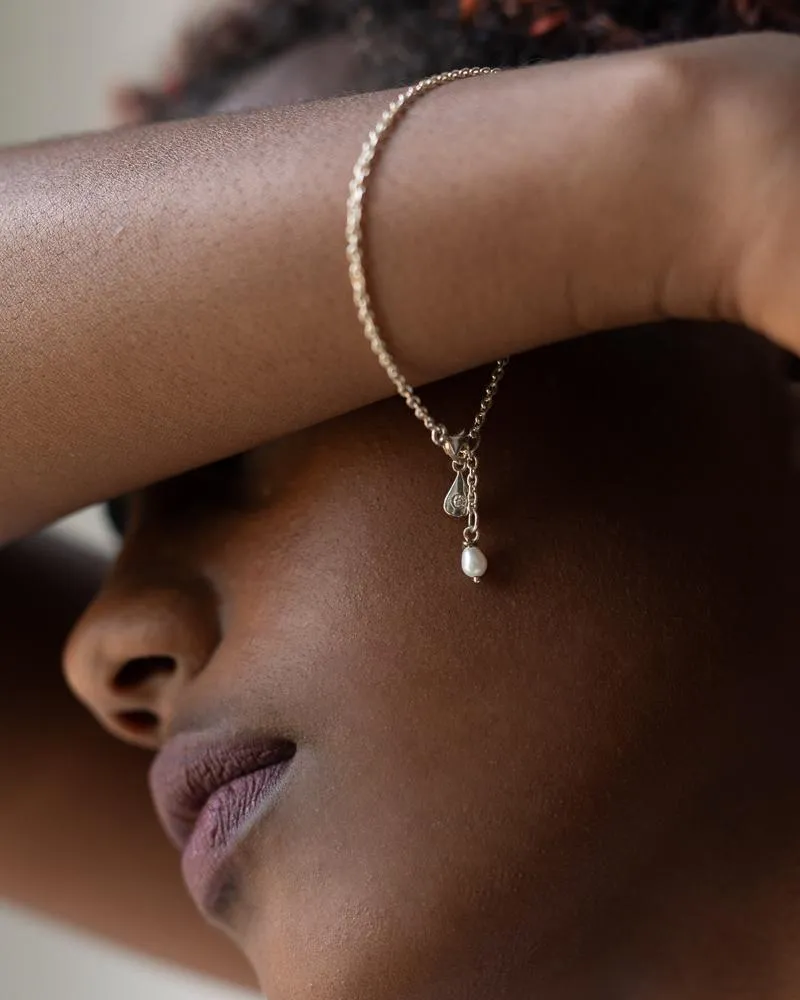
461, 500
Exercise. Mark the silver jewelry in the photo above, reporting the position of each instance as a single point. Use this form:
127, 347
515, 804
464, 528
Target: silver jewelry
461, 500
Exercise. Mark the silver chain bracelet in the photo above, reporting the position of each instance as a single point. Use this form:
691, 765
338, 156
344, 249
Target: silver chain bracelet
461, 500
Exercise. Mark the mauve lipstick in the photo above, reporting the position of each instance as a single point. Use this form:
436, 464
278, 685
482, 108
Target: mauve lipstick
206, 791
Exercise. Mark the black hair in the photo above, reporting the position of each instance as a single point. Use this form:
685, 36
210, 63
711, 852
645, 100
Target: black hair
399, 41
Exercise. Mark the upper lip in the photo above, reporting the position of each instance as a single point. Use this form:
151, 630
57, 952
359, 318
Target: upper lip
192, 767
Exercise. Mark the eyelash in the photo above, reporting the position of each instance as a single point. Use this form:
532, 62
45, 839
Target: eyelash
215, 480
118, 513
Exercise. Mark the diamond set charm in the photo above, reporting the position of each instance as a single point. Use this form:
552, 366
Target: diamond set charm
455, 503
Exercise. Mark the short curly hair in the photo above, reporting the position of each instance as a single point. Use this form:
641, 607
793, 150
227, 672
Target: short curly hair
399, 41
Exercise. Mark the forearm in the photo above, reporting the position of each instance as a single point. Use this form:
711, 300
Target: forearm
177, 293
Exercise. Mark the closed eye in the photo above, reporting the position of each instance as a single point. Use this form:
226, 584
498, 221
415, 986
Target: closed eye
118, 513
218, 483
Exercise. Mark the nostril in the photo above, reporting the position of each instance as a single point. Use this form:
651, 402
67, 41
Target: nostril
141, 669
139, 722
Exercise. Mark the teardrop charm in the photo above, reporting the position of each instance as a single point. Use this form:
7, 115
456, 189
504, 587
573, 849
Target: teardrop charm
455, 503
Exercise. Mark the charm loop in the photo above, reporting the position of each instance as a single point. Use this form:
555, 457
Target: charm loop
454, 444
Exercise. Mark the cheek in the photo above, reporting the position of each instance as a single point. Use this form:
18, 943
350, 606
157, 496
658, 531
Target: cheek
478, 764
472, 760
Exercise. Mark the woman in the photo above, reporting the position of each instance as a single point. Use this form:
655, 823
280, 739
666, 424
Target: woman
577, 780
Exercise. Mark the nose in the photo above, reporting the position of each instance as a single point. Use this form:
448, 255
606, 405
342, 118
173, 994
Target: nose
134, 651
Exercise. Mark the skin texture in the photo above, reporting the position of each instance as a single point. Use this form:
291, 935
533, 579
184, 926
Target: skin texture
527, 786
576, 780
119, 250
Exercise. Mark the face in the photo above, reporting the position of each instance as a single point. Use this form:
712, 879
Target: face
426, 788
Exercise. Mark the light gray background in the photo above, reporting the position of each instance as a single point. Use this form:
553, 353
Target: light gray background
58, 61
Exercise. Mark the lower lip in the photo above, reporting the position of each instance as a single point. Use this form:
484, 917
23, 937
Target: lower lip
225, 818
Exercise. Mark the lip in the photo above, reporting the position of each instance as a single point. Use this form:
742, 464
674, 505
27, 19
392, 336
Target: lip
206, 794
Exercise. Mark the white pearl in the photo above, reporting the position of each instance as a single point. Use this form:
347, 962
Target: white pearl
473, 562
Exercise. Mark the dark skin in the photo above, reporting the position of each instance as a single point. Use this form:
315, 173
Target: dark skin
576, 780
582, 744
175, 294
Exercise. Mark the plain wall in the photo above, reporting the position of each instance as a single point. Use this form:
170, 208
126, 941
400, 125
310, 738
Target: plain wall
59, 59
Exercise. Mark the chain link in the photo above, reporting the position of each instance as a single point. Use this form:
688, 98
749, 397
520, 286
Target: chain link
355, 258
471, 533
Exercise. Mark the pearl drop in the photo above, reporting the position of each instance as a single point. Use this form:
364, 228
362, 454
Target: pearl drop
473, 562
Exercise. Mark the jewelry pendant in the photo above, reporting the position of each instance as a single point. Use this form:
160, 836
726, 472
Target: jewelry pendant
473, 562
455, 503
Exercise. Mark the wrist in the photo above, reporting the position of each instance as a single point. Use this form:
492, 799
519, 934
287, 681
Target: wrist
704, 186
741, 107
676, 200
642, 230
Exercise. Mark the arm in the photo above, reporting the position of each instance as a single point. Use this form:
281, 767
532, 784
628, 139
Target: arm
173, 294
78, 837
